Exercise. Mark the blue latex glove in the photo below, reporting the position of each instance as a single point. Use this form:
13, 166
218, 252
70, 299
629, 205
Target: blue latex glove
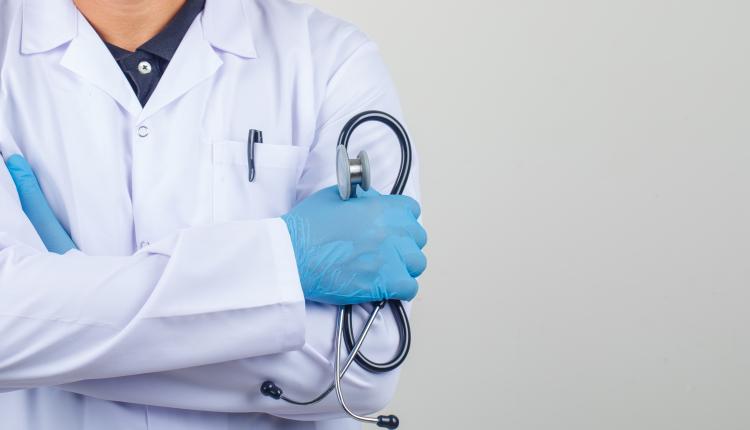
36, 208
365, 249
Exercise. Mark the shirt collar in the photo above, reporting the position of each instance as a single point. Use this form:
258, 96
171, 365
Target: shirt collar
118, 52
168, 40
48, 24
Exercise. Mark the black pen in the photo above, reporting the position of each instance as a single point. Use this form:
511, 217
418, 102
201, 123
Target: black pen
253, 137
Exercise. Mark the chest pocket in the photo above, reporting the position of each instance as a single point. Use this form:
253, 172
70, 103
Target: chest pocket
273, 192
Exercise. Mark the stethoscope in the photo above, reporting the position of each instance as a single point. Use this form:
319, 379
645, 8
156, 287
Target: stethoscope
351, 173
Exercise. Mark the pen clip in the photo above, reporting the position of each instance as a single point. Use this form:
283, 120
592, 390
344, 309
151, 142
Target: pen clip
254, 137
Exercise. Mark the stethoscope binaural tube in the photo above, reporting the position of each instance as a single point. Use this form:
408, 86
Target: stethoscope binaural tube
384, 421
351, 173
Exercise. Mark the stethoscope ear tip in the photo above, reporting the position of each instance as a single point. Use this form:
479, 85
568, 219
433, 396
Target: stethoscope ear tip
388, 421
269, 389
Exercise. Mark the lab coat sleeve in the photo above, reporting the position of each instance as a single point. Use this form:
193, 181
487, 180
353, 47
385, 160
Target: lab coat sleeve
205, 295
360, 82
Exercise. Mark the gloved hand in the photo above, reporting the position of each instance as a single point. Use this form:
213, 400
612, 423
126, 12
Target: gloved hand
36, 208
365, 249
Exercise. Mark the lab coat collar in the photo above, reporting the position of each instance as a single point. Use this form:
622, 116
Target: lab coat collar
47, 24
223, 26
226, 25
194, 61
89, 58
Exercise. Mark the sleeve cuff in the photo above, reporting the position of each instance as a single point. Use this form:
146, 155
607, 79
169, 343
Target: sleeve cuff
232, 285
289, 287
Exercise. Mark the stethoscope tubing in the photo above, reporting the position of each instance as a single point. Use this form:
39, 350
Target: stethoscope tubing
399, 185
349, 359
338, 373
344, 324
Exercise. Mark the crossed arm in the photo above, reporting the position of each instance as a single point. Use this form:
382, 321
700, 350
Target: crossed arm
143, 329
151, 377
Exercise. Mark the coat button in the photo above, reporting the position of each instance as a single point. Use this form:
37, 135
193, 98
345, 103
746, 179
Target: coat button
143, 131
144, 67
143, 244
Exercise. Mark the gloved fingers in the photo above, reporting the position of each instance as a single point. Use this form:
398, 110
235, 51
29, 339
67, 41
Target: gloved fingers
400, 284
417, 233
407, 202
22, 174
36, 208
403, 288
413, 258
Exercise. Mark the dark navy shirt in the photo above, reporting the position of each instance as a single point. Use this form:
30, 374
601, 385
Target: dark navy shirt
145, 67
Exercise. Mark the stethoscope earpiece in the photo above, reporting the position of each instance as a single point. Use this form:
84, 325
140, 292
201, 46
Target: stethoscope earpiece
269, 389
351, 172
388, 421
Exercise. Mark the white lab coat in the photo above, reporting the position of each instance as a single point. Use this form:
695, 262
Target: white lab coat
184, 296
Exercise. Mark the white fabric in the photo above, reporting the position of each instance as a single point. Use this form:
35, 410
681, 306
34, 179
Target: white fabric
184, 296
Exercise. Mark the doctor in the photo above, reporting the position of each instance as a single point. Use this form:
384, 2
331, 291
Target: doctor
190, 284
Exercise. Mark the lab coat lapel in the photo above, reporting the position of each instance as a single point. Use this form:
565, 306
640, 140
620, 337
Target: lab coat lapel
88, 57
228, 28
193, 62
47, 24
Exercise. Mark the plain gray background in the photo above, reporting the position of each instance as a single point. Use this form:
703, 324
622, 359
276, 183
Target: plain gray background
586, 167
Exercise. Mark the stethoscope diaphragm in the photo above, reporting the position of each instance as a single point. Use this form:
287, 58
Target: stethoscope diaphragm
351, 172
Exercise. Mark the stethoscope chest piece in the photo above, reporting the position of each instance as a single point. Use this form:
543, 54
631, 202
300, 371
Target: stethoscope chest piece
351, 172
